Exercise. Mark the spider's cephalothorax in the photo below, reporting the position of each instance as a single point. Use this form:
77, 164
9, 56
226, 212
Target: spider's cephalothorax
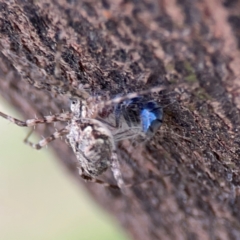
92, 143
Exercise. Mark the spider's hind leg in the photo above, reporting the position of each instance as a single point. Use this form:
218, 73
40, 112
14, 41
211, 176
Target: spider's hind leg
88, 178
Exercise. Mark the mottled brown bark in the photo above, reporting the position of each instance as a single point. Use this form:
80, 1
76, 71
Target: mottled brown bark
191, 48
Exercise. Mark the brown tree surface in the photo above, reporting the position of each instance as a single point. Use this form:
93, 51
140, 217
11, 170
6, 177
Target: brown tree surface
111, 47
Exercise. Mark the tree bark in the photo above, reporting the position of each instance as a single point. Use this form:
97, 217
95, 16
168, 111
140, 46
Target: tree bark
110, 47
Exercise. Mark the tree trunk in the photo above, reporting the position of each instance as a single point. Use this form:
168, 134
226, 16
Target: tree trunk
115, 47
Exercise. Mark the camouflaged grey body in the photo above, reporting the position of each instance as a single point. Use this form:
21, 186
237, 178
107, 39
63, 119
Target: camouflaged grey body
92, 142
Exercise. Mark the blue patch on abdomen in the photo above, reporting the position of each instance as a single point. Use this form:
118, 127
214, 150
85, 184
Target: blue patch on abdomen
138, 111
151, 117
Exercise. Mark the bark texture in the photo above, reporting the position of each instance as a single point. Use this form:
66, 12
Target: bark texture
109, 47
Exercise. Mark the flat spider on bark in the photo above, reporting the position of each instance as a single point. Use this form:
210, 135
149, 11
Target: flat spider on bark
91, 138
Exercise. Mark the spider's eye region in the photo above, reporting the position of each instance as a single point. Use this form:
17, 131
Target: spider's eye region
73, 101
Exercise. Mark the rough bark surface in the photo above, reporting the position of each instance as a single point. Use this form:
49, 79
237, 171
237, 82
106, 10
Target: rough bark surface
109, 47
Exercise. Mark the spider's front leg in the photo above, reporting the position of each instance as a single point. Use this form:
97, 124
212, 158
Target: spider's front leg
63, 117
47, 140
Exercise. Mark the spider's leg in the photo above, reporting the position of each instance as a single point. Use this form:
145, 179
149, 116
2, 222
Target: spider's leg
106, 122
127, 133
118, 113
32, 122
95, 180
131, 96
116, 170
46, 140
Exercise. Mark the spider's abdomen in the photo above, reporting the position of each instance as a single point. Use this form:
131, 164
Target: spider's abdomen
92, 144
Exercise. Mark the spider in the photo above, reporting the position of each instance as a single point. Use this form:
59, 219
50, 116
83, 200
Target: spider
91, 138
